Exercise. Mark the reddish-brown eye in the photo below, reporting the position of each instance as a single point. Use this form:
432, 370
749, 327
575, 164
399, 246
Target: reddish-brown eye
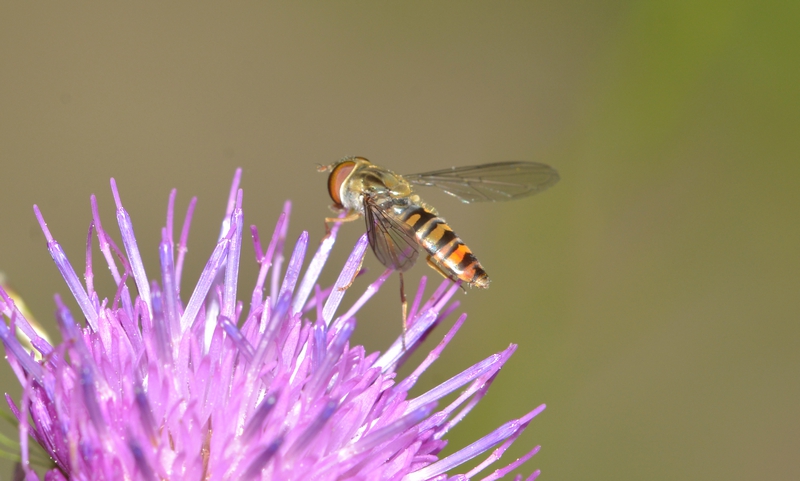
337, 177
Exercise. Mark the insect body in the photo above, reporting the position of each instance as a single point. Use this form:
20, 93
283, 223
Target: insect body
399, 223
447, 253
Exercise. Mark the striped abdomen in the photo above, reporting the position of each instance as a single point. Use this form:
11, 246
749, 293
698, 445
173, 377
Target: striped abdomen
447, 252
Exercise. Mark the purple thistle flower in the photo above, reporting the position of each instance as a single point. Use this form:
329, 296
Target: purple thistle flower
157, 388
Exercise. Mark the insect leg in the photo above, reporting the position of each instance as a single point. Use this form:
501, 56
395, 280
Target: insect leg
404, 304
350, 217
355, 274
438, 268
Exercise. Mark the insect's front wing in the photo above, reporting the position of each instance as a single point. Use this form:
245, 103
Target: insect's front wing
392, 240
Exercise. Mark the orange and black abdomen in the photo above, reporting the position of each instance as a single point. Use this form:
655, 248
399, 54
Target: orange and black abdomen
447, 251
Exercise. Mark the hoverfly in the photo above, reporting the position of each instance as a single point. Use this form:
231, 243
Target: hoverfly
400, 224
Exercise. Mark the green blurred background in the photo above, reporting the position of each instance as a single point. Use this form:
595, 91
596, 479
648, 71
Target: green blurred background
653, 292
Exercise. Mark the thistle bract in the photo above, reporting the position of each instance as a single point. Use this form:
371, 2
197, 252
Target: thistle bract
166, 385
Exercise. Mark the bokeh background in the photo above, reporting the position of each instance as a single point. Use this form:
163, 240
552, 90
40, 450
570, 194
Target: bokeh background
653, 292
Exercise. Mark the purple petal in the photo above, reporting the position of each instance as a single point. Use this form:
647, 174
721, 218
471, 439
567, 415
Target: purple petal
131, 248
347, 275
60, 258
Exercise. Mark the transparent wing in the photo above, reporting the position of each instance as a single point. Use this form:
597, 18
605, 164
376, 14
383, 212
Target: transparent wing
392, 240
490, 182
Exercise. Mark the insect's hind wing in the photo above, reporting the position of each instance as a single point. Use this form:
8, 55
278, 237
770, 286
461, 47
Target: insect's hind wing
499, 181
392, 240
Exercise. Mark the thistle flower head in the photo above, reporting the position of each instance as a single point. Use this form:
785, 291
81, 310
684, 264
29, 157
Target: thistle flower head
199, 385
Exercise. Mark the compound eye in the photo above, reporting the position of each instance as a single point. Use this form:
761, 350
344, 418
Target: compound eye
338, 175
